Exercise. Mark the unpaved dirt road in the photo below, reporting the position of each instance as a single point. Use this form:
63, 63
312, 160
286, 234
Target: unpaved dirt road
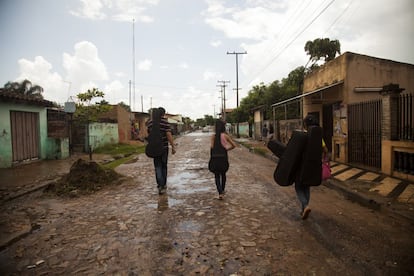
256, 230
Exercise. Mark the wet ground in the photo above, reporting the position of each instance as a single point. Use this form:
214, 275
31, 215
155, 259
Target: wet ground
129, 229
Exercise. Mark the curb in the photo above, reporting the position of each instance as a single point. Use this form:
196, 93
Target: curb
376, 203
353, 195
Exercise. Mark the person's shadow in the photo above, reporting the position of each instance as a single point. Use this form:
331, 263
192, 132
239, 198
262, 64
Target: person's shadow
162, 202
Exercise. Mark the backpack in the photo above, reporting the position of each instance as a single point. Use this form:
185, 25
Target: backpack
218, 157
155, 146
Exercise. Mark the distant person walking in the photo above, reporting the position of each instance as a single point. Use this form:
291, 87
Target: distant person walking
159, 135
220, 143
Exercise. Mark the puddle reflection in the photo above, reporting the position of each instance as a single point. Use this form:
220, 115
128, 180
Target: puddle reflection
164, 202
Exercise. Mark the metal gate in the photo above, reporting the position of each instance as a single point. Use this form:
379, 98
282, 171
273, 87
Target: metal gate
25, 135
364, 132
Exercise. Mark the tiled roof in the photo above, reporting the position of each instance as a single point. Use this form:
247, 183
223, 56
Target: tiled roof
6, 96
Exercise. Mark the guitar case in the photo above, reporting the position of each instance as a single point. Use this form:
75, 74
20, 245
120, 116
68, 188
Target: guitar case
290, 159
310, 173
277, 147
155, 146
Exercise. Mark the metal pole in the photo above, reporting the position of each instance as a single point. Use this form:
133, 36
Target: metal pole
237, 86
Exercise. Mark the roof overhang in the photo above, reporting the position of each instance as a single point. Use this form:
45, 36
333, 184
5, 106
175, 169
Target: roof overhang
298, 97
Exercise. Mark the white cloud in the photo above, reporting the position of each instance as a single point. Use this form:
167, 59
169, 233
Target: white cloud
145, 65
39, 72
119, 10
84, 68
183, 65
201, 103
215, 43
116, 92
209, 75
91, 9
250, 22
119, 74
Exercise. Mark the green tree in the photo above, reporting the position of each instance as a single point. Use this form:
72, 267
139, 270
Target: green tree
124, 105
85, 110
322, 48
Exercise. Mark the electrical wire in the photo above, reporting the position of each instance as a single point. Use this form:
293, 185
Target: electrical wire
292, 40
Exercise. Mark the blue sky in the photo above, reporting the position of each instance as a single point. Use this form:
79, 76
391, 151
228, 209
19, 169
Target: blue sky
69, 46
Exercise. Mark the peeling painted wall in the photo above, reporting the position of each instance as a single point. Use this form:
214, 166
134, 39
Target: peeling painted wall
101, 134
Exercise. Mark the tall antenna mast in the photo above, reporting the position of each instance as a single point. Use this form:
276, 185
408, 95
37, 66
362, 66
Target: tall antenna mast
133, 62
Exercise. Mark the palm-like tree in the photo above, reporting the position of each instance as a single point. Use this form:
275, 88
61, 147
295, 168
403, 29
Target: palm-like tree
322, 48
25, 88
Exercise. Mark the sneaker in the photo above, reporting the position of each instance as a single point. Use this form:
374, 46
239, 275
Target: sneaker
306, 213
221, 196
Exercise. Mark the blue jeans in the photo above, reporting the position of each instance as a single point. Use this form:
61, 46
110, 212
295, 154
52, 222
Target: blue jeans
160, 165
303, 194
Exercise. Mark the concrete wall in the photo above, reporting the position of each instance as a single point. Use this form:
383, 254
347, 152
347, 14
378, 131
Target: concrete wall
57, 148
122, 116
101, 134
243, 129
124, 124
363, 71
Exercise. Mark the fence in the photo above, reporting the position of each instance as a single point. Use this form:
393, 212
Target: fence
364, 130
405, 121
404, 161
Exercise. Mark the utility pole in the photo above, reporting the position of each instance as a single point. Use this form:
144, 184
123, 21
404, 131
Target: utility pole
237, 84
223, 87
133, 61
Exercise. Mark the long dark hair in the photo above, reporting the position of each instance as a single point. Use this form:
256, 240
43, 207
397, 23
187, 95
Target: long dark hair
220, 128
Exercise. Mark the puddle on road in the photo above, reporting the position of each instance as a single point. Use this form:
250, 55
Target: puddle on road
199, 134
187, 183
188, 226
164, 202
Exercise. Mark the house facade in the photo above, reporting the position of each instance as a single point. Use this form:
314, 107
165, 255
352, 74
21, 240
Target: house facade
365, 107
24, 134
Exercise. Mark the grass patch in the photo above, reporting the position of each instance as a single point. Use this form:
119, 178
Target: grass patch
122, 153
260, 151
112, 165
124, 149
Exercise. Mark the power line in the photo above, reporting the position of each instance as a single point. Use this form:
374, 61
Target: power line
294, 39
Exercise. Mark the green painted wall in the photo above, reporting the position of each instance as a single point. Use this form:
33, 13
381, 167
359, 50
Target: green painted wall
48, 148
57, 148
101, 134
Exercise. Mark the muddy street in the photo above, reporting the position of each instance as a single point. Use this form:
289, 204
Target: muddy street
256, 230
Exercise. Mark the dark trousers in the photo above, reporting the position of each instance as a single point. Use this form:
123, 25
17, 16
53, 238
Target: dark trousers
220, 181
160, 165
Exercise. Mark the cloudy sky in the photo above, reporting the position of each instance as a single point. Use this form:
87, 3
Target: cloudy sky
69, 46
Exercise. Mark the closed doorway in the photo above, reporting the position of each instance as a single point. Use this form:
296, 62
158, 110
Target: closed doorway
25, 135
